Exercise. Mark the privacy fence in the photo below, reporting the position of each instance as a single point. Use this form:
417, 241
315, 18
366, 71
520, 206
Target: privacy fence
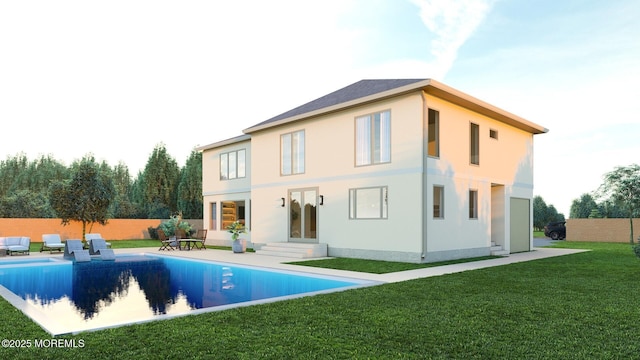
116, 229
606, 230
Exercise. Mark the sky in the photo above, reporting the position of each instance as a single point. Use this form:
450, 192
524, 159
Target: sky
116, 79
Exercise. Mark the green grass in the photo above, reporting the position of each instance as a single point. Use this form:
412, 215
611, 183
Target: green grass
582, 306
379, 267
538, 234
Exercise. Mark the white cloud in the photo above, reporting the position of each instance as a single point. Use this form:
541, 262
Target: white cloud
452, 23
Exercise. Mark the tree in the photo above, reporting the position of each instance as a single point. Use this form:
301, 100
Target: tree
190, 187
582, 208
622, 186
539, 213
85, 197
157, 185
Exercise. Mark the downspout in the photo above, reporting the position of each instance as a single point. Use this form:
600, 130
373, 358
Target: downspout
423, 202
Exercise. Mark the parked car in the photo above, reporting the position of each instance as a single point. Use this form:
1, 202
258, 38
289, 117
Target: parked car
556, 230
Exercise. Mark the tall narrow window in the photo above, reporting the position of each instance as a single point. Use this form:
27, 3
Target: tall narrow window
475, 144
373, 138
292, 153
438, 202
233, 165
213, 225
433, 128
473, 204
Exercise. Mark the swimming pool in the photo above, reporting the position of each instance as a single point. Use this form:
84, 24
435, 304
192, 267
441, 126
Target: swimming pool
66, 297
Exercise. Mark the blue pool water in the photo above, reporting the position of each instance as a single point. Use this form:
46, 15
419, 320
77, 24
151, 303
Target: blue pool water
72, 297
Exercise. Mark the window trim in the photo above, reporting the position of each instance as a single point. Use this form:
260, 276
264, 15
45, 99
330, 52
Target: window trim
473, 204
436, 131
293, 154
372, 140
383, 203
226, 162
440, 200
474, 151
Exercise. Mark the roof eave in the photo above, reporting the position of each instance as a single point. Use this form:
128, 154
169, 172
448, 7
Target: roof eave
218, 144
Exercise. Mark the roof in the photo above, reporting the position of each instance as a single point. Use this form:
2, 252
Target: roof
230, 141
365, 91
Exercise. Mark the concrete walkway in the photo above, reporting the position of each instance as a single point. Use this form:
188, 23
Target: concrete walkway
274, 262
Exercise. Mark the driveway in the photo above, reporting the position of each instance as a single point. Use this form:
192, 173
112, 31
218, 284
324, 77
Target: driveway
538, 242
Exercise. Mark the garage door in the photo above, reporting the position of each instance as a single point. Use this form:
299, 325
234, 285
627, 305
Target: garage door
520, 227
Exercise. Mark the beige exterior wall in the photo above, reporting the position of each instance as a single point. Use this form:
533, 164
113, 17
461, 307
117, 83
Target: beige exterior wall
216, 191
505, 171
330, 167
602, 230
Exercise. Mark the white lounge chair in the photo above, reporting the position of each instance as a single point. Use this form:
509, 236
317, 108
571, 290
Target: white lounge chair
51, 242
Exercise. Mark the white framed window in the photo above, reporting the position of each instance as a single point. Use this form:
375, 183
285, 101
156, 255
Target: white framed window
233, 165
473, 204
368, 203
474, 144
373, 138
292, 153
433, 133
438, 202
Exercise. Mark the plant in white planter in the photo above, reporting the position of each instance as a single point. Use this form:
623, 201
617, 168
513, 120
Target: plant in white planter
237, 228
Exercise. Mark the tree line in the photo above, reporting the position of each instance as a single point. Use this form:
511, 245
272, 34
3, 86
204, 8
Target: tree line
46, 188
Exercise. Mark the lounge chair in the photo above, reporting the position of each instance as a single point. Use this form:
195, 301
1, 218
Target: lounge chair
99, 247
201, 237
89, 237
73, 251
51, 243
167, 244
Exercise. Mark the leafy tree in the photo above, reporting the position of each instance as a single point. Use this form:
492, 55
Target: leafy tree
582, 208
85, 197
544, 214
157, 184
190, 187
622, 187
122, 206
25, 204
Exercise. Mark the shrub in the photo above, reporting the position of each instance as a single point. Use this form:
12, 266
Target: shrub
636, 250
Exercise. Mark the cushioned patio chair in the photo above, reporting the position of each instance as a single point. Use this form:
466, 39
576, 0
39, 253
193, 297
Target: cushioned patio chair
167, 244
201, 237
51, 243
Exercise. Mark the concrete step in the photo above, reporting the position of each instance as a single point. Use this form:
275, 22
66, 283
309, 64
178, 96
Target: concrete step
497, 250
295, 250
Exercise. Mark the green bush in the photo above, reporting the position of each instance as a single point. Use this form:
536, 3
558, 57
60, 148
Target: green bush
636, 249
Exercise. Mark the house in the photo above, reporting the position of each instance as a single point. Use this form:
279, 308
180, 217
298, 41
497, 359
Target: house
402, 169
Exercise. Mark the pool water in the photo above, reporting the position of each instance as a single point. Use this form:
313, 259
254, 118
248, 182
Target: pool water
66, 297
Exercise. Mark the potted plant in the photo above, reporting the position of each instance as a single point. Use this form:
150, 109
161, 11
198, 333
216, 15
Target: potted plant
237, 228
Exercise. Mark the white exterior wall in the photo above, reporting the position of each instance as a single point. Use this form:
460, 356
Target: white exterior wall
506, 162
217, 190
330, 166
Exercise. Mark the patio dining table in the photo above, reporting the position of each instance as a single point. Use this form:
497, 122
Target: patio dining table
187, 244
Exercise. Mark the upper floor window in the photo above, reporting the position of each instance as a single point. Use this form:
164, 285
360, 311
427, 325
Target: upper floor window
373, 138
433, 133
475, 144
292, 153
233, 164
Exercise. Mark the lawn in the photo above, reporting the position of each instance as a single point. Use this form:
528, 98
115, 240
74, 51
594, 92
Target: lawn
580, 306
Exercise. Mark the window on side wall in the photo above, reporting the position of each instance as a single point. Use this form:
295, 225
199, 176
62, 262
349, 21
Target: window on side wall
233, 165
213, 220
373, 138
368, 203
475, 144
292, 153
438, 202
433, 133
473, 204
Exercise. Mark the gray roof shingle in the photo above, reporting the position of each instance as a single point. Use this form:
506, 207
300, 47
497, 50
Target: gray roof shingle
354, 91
